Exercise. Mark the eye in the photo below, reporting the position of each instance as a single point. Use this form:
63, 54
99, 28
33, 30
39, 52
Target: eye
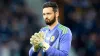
48, 13
43, 13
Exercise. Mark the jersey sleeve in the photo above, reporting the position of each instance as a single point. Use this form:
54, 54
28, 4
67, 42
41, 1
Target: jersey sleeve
64, 46
32, 53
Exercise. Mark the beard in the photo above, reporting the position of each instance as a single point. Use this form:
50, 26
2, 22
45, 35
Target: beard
50, 22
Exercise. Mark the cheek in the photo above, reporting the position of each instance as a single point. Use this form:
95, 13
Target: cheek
51, 17
44, 17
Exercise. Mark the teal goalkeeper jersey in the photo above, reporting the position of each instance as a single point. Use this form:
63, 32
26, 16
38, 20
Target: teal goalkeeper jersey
59, 39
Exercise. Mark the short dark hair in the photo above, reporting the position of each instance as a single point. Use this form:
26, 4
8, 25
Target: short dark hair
51, 4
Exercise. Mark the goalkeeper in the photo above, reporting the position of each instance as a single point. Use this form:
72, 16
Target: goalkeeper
53, 39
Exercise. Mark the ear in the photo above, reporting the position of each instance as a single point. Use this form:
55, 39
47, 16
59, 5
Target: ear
57, 14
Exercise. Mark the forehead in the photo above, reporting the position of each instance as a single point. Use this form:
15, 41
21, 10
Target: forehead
47, 9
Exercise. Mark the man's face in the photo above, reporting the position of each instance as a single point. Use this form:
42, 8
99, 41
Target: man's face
49, 15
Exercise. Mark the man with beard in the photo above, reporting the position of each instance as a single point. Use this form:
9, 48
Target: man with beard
54, 39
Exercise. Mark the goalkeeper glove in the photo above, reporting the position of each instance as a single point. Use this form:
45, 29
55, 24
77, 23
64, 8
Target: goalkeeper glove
36, 39
33, 41
44, 45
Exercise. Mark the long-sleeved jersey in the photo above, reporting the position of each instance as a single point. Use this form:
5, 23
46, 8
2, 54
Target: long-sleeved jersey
59, 39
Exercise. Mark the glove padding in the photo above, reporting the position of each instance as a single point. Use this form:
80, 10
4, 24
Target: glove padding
44, 45
36, 39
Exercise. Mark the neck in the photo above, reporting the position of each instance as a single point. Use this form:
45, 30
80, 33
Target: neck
53, 25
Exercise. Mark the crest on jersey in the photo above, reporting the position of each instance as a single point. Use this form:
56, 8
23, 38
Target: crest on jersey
52, 38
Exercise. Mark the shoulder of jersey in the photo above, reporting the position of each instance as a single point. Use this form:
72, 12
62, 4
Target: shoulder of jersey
44, 28
63, 29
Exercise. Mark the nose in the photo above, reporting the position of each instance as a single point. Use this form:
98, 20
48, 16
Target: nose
45, 16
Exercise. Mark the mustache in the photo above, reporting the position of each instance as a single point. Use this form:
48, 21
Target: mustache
47, 19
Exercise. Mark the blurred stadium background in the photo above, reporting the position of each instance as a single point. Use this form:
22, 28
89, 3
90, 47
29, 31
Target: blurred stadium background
19, 19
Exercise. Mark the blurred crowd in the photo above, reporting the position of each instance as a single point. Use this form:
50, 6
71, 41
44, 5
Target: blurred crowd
83, 18
18, 23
